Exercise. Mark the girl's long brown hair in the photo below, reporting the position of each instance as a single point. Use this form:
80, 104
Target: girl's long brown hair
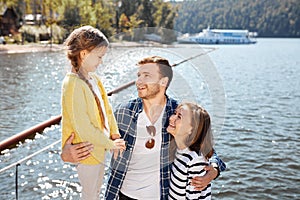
85, 38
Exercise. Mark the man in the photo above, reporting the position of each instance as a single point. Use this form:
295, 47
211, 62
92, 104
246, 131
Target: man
143, 171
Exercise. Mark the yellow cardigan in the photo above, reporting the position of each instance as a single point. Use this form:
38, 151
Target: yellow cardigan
80, 115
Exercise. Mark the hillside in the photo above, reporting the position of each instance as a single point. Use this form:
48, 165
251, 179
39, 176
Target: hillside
270, 18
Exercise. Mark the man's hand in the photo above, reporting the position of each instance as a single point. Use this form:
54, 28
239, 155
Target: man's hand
77, 152
201, 182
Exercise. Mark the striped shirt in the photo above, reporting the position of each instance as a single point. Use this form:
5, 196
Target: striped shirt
186, 166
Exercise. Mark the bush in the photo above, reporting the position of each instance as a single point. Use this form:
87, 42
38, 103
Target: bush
32, 33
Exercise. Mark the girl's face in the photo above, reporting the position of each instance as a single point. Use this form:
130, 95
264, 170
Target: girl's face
180, 123
91, 60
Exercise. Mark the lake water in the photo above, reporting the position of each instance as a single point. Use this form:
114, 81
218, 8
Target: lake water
251, 91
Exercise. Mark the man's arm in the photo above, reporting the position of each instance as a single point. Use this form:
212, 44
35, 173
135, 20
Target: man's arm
217, 163
212, 172
74, 153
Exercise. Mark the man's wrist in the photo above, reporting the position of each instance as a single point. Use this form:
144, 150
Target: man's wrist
215, 165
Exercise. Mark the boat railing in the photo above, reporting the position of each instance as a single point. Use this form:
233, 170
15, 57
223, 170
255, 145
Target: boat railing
14, 140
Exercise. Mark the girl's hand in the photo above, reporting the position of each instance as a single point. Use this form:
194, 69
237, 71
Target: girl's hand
120, 146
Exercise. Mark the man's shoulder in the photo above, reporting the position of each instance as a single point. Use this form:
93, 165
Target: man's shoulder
172, 102
129, 105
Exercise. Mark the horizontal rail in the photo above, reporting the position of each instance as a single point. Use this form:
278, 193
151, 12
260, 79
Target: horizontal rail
14, 140
28, 157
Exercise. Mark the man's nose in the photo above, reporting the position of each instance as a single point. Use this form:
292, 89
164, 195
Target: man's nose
138, 80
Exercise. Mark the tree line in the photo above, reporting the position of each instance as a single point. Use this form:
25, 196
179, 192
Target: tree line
270, 18
110, 16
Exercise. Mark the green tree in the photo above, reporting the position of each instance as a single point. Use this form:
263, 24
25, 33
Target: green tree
272, 18
104, 16
71, 16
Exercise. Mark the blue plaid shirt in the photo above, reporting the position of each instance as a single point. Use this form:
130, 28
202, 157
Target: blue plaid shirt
126, 116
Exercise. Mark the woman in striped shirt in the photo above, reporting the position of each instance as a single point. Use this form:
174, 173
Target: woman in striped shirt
190, 126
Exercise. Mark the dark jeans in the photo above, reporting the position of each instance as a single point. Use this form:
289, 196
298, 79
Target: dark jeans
124, 197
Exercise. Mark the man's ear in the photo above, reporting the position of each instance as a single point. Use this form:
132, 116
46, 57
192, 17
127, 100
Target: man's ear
83, 53
164, 81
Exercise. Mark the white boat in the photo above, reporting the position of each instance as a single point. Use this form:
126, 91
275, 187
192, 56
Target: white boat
219, 36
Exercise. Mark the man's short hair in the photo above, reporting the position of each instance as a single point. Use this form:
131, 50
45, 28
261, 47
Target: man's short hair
164, 66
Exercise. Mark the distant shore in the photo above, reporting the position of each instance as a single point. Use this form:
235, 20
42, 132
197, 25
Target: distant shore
35, 47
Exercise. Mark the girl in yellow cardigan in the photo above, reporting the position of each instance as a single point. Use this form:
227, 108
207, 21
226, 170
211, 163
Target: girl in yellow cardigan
85, 107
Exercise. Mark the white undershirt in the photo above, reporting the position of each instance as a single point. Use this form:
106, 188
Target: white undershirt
97, 92
142, 180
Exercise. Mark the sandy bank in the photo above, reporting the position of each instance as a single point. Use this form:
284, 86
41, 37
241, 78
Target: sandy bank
27, 48
34, 47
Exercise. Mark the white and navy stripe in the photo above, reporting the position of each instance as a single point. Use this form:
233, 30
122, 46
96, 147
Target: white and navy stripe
187, 165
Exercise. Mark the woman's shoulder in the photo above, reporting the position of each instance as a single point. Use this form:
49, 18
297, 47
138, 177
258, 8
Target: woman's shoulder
192, 156
197, 159
185, 154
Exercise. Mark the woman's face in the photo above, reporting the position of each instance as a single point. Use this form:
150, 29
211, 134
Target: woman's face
91, 60
180, 122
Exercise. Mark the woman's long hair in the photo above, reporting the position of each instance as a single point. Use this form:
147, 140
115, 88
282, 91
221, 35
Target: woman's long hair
201, 137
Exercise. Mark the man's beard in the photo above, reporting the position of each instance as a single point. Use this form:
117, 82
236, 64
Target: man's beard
151, 92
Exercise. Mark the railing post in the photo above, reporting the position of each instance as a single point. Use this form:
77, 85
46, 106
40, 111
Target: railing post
17, 180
